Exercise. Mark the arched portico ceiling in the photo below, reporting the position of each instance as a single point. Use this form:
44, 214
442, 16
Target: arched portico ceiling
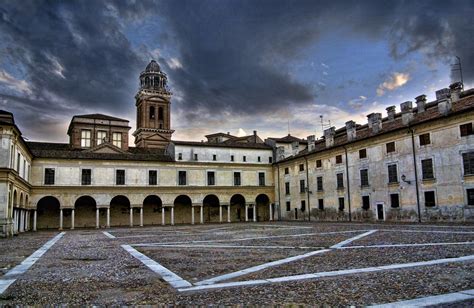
49, 202
85, 201
183, 199
152, 200
120, 200
237, 199
211, 200
262, 198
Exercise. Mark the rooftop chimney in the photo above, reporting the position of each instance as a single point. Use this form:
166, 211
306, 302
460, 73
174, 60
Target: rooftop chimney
455, 91
407, 112
311, 142
420, 103
444, 106
295, 147
255, 136
391, 112
375, 122
329, 136
351, 130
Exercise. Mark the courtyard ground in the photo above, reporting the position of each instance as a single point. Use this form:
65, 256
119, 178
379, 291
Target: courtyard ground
336, 264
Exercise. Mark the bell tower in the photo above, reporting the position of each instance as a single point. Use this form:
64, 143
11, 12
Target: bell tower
153, 109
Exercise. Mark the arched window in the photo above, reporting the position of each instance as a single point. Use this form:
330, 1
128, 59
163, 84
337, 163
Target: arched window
157, 82
152, 112
147, 81
160, 114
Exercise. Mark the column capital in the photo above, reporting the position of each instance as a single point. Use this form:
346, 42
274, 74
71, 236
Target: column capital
168, 205
197, 204
225, 203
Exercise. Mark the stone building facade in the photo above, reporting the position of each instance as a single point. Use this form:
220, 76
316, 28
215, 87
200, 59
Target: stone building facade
415, 165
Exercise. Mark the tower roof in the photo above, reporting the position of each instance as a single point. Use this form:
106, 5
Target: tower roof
153, 66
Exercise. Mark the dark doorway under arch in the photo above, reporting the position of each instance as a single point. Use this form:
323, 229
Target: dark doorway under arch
152, 206
120, 211
85, 212
262, 204
237, 207
182, 210
48, 213
211, 208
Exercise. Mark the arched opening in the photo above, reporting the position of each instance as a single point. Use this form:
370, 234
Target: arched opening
85, 212
160, 113
48, 213
21, 200
157, 82
182, 209
211, 208
262, 204
147, 81
152, 112
120, 211
237, 208
152, 206
15, 199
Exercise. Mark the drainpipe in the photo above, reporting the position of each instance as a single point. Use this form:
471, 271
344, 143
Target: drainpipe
307, 189
416, 174
279, 195
348, 184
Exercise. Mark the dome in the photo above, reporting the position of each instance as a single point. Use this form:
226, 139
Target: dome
152, 67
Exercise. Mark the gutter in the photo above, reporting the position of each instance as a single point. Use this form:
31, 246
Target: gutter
411, 130
348, 184
279, 195
307, 189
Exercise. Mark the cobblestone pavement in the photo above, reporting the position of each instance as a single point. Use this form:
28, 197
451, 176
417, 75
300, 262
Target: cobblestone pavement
90, 267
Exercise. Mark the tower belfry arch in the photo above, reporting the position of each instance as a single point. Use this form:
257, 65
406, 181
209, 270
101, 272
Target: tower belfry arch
153, 109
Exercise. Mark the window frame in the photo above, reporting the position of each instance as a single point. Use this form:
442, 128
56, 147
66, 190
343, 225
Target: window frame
47, 180
390, 176
392, 198
424, 171
261, 175
182, 178
150, 182
424, 139
118, 177
117, 139
101, 140
433, 202
364, 156
319, 183
468, 165
339, 159
237, 178
466, 129
86, 142
364, 178
86, 181
211, 178
388, 147
340, 180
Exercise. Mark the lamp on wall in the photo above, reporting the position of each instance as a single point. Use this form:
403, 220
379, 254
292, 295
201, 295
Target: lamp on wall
404, 179
307, 190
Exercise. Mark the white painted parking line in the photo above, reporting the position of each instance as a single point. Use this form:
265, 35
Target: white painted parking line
108, 234
21, 268
327, 274
338, 245
407, 245
260, 267
170, 277
431, 300
226, 246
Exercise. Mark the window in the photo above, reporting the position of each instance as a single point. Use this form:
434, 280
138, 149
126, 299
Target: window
270, 160
338, 159
466, 129
214, 157
160, 113
319, 163
152, 177
261, 178
287, 188
302, 186
232, 158
244, 158
392, 173
340, 180
236, 178
211, 178
181, 177
18, 162
425, 139
470, 196
341, 204
85, 138
180, 156
301, 167
363, 153
303, 205
195, 157
321, 204
287, 170
319, 183
288, 206
364, 177
390, 147
117, 139
101, 137
468, 162
86, 176
120, 177
394, 200
152, 112
427, 169
365, 203
259, 159
49, 176
430, 199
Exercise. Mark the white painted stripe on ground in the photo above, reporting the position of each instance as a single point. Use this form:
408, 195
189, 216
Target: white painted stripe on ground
350, 240
426, 231
108, 234
328, 274
225, 246
407, 245
252, 238
260, 267
431, 300
27, 263
170, 277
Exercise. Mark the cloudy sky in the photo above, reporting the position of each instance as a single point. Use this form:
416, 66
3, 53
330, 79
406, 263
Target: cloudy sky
233, 65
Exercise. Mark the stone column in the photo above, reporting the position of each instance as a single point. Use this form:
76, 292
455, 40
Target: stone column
228, 213
163, 215
270, 211
192, 215
131, 216
141, 217
35, 216
15, 221
254, 212
60, 219
220, 212
97, 223
108, 217
246, 212
27, 220
201, 218
172, 215
21, 229
72, 219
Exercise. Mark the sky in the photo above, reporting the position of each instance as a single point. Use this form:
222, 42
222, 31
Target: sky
233, 65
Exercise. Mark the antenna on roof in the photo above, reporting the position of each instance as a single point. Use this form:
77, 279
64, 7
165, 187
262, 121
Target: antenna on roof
288, 118
457, 67
324, 124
